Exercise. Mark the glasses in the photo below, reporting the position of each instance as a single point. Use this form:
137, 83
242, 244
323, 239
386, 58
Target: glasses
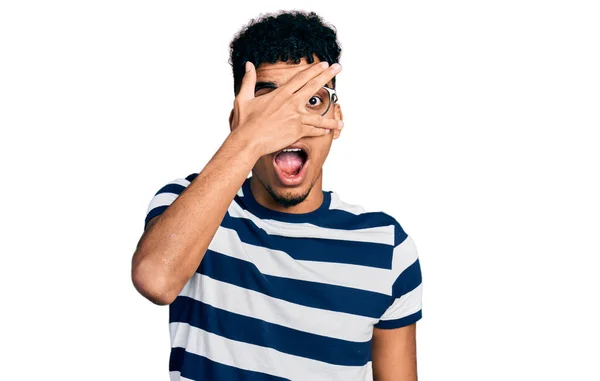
317, 104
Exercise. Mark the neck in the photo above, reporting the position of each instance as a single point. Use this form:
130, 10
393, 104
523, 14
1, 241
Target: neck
312, 202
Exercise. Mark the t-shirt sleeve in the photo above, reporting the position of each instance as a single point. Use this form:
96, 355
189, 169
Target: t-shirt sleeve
165, 197
405, 308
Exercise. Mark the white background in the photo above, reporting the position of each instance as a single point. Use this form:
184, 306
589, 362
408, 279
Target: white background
473, 123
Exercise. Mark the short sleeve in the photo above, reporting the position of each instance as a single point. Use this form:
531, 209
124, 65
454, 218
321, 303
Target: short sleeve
407, 288
165, 197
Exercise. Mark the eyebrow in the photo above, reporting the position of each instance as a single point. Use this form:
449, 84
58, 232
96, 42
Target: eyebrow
269, 84
260, 85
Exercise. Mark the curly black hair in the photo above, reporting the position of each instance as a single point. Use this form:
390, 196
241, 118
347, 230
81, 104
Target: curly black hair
281, 36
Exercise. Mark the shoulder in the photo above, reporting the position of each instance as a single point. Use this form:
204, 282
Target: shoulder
385, 228
359, 216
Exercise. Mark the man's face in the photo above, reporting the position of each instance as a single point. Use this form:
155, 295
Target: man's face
318, 146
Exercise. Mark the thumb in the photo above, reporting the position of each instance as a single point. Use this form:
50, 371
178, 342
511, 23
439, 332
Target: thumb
248, 82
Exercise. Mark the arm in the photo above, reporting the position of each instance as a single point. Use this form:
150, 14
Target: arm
174, 242
395, 354
394, 336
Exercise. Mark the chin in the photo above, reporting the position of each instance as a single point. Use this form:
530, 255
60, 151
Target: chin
287, 196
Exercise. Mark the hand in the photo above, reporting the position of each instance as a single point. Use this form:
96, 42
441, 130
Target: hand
279, 118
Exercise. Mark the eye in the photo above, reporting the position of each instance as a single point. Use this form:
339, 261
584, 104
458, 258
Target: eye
314, 101
262, 91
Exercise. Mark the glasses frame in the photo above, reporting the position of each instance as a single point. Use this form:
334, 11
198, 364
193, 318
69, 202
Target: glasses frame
333, 97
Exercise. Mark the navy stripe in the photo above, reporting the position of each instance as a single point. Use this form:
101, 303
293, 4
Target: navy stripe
399, 233
191, 177
171, 188
341, 219
312, 294
197, 367
153, 213
313, 249
408, 280
258, 332
407, 320
168, 188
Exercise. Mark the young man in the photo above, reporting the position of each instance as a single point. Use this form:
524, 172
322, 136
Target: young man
271, 277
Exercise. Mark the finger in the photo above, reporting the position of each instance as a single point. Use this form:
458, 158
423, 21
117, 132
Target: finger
321, 121
300, 79
314, 84
314, 131
248, 82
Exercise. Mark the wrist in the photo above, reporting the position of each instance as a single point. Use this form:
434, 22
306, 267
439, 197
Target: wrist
245, 144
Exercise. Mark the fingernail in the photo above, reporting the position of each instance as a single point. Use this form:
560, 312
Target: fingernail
327, 130
325, 64
336, 67
247, 66
340, 124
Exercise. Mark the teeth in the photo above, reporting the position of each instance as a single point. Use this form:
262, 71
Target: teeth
292, 150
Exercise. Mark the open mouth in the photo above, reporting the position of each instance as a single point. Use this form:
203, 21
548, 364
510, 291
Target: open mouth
290, 161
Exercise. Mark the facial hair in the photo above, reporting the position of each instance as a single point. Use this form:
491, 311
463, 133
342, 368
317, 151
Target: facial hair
286, 202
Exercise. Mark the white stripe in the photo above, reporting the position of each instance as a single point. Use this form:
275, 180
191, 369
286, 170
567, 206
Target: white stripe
405, 305
379, 234
279, 263
251, 303
260, 359
338, 204
405, 254
176, 376
161, 199
166, 198
181, 181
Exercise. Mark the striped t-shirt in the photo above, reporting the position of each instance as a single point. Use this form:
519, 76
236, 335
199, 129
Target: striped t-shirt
283, 296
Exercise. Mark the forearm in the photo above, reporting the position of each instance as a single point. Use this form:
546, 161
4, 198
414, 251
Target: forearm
170, 250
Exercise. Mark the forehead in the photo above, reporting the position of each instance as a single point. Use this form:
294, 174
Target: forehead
281, 72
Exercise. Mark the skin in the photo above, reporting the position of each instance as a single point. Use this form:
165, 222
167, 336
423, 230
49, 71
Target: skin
173, 243
395, 354
266, 186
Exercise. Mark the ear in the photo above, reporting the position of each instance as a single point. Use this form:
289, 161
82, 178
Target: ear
231, 120
338, 115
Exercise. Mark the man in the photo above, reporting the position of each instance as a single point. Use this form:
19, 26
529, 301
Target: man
271, 277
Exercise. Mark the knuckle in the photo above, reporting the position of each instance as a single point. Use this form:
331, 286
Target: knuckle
282, 93
302, 119
312, 84
317, 68
300, 109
